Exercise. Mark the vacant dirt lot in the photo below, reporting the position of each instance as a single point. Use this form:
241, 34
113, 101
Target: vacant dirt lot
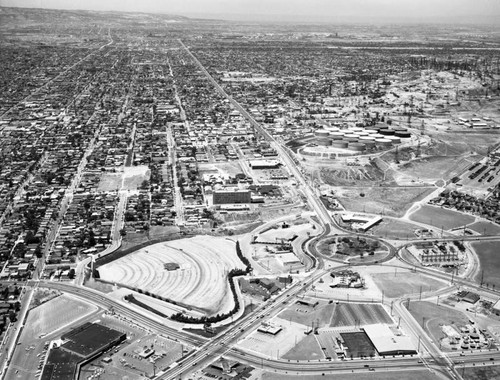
392, 201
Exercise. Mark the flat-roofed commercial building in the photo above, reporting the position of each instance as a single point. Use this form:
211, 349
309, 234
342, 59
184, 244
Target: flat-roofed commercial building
235, 196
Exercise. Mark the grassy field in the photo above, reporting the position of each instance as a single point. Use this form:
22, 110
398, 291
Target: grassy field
441, 217
405, 283
351, 314
394, 229
377, 375
485, 228
481, 373
307, 349
490, 261
436, 316
392, 201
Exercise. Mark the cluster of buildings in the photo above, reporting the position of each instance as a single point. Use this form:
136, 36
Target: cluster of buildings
78, 347
346, 279
443, 254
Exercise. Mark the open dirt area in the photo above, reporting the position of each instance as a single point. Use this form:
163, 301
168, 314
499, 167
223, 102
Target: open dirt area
201, 280
433, 316
305, 315
133, 176
404, 282
275, 345
110, 182
350, 176
432, 169
441, 217
224, 169
392, 201
307, 349
57, 313
44, 323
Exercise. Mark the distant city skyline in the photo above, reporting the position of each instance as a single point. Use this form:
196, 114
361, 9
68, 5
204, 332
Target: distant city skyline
337, 11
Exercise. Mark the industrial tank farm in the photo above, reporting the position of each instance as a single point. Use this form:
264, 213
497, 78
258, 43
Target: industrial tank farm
332, 142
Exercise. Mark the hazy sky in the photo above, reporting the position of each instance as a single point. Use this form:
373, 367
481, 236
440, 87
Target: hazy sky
475, 11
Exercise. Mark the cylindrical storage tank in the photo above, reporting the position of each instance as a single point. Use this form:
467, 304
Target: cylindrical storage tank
386, 132
324, 142
356, 129
331, 128
394, 139
383, 142
371, 131
369, 144
362, 133
404, 134
337, 135
321, 133
368, 141
339, 144
351, 137
357, 147
378, 136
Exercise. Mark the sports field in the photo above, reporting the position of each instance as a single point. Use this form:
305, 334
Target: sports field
405, 283
441, 217
489, 258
